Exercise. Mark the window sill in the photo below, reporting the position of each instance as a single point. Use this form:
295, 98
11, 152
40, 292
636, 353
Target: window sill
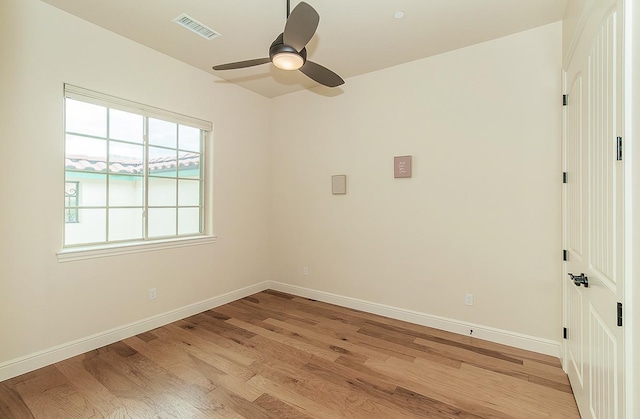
92, 252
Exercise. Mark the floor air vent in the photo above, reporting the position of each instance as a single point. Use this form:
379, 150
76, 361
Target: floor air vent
195, 26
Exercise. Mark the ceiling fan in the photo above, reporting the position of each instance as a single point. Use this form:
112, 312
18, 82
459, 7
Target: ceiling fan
288, 51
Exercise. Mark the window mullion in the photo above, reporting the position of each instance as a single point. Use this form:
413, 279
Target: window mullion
202, 180
177, 176
108, 178
145, 203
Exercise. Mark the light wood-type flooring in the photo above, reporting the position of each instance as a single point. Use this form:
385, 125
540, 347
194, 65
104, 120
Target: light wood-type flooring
274, 355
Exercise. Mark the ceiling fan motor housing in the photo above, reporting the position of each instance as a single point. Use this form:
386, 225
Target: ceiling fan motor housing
278, 46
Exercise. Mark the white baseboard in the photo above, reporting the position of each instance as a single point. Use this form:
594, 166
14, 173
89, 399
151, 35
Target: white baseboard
58, 353
505, 337
40, 359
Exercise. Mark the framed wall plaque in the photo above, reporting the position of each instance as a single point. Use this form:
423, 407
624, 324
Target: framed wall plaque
402, 166
339, 184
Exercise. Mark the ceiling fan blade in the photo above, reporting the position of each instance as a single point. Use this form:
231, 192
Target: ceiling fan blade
301, 25
242, 64
321, 74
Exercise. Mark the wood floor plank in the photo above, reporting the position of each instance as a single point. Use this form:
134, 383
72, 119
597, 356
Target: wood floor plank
239, 404
348, 403
433, 389
385, 393
487, 389
216, 356
300, 402
12, 404
49, 394
302, 346
181, 364
279, 408
397, 335
95, 393
406, 347
276, 355
342, 346
469, 355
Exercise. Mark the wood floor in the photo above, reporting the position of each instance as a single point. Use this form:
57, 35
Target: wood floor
273, 355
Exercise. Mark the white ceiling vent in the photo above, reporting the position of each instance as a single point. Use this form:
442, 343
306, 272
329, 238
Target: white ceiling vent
195, 26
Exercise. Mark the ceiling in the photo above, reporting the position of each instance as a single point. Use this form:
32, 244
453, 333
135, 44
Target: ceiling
354, 36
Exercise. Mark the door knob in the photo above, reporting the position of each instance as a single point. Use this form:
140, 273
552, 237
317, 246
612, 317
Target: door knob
580, 279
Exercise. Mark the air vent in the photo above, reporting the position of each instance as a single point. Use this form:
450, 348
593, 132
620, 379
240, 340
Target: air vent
196, 27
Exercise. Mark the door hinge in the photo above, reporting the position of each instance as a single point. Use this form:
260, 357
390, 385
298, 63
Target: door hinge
565, 100
565, 255
619, 314
619, 148
564, 332
564, 177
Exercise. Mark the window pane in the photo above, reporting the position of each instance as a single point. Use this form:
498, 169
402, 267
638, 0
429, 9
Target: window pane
85, 118
71, 202
162, 222
126, 191
189, 165
162, 192
125, 158
126, 126
188, 193
189, 138
162, 162
188, 220
92, 188
88, 154
71, 215
90, 228
125, 224
163, 133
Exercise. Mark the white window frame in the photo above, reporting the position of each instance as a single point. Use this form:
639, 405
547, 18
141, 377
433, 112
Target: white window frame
81, 252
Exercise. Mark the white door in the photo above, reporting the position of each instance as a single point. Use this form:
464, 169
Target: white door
593, 214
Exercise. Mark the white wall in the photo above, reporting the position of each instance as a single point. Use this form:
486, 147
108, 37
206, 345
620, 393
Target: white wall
481, 214
44, 303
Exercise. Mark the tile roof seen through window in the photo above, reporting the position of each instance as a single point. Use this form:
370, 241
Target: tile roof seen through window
131, 167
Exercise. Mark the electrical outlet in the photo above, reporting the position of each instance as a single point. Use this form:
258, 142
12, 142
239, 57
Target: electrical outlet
305, 271
153, 294
468, 299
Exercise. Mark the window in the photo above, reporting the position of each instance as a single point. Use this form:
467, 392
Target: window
141, 171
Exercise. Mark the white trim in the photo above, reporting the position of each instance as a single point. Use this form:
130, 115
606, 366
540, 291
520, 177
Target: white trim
49, 356
563, 199
575, 36
91, 252
505, 337
631, 133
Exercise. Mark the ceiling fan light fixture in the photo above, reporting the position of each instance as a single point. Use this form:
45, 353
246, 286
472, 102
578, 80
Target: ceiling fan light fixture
287, 61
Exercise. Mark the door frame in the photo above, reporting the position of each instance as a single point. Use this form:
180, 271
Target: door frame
631, 124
